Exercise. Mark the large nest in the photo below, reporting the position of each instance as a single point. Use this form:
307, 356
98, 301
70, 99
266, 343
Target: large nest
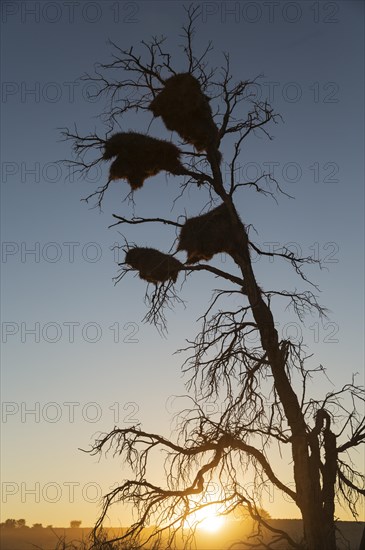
139, 156
185, 109
206, 235
153, 266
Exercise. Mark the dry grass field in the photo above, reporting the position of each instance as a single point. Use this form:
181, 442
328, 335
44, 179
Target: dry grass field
70, 539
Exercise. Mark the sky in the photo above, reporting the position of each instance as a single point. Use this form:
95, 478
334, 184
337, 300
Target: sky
76, 357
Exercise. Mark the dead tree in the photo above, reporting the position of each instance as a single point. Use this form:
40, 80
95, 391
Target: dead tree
258, 383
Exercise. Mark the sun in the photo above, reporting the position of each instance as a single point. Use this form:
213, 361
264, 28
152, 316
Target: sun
211, 524
208, 519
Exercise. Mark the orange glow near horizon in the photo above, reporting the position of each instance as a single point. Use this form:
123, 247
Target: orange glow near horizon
207, 519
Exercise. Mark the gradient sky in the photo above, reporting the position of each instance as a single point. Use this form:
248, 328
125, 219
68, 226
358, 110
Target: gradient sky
311, 56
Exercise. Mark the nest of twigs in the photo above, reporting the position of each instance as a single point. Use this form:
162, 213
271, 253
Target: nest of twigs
206, 235
139, 156
153, 266
185, 109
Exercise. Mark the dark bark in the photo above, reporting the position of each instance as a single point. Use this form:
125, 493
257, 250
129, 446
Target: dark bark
362, 542
317, 524
307, 485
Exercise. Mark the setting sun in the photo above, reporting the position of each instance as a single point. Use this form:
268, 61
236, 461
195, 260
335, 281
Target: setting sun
207, 519
211, 523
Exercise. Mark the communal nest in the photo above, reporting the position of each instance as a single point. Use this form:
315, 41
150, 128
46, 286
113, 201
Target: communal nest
139, 156
206, 235
153, 266
185, 109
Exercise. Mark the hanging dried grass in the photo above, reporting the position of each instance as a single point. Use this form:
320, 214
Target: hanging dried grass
185, 109
153, 266
139, 156
206, 235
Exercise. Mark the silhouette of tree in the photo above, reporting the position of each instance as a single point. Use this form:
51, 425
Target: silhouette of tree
14, 523
10, 523
21, 523
265, 386
75, 524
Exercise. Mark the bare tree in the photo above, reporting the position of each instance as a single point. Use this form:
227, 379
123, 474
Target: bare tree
74, 524
264, 387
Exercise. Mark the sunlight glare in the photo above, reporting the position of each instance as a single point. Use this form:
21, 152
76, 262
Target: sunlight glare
208, 519
211, 524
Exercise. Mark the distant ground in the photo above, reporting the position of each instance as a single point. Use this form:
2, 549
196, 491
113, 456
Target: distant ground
46, 539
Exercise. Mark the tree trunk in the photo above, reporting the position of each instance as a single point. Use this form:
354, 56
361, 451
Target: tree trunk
307, 478
329, 481
362, 542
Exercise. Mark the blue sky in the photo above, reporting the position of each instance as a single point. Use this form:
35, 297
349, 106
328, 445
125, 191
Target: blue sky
113, 368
